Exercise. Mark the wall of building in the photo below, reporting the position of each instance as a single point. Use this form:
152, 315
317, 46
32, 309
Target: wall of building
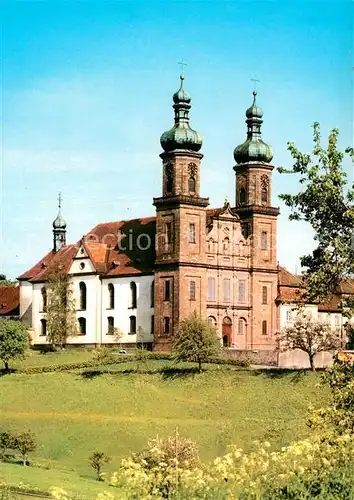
26, 303
122, 309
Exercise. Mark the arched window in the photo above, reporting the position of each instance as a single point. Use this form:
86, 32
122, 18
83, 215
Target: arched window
44, 299
242, 196
82, 326
152, 294
110, 324
226, 244
133, 295
226, 331
242, 326
264, 295
111, 296
191, 185
264, 328
212, 321
83, 296
166, 325
211, 245
264, 195
132, 325
43, 327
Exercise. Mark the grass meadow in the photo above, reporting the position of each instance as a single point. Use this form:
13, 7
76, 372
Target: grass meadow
117, 408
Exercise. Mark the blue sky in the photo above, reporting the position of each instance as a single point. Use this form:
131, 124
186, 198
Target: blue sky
87, 91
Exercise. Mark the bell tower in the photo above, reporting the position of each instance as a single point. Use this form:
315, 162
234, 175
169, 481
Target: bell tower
59, 229
259, 220
180, 225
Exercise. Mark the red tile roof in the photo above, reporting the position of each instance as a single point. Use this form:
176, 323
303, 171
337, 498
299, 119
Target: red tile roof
9, 301
115, 249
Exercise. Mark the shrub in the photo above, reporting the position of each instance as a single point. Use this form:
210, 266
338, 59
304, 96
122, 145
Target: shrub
97, 460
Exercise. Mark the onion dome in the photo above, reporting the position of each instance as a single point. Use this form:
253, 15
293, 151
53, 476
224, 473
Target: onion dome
253, 149
181, 136
59, 222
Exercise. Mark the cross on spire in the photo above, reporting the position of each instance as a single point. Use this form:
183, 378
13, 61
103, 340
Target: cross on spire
182, 63
255, 81
60, 199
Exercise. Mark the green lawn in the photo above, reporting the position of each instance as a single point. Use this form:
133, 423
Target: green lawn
117, 411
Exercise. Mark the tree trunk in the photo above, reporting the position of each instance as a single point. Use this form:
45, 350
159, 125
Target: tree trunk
6, 366
25, 460
199, 365
312, 364
98, 473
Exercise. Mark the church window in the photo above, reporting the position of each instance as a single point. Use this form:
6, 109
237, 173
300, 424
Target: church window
226, 244
227, 290
241, 326
191, 233
212, 321
264, 328
132, 324
43, 327
211, 288
264, 295
110, 322
111, 296
167, 290
83, 296
166, 325
44, 299
242, 196
133, 295
169, 179
211, 245
264, 195
82, 265
242, 291
152, 324
192, 290
168, 233
264, 240
191, 185
82, 326
152, 294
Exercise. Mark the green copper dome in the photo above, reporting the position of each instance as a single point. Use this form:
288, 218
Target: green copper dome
253, 149
181, 136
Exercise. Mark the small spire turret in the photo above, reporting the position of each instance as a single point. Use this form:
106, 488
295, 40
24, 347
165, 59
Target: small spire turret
59, 228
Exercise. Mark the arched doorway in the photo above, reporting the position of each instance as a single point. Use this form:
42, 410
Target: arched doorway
226, 331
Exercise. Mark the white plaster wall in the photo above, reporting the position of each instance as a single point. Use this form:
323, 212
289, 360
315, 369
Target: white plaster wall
93, 309
122, 312
283, 308
26, 302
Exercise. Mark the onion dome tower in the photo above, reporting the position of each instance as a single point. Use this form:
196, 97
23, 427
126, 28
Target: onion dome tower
59, 228
180, 225
181, 136
253, 149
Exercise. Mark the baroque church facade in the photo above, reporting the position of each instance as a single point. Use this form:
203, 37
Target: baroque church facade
143, 275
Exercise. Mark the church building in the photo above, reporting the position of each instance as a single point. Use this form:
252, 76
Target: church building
143, 275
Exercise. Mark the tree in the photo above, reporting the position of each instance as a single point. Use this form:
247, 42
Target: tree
196, 340
309, 336
14, 341
24, 442
326, 201
60, 309
5, 282
97, 460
